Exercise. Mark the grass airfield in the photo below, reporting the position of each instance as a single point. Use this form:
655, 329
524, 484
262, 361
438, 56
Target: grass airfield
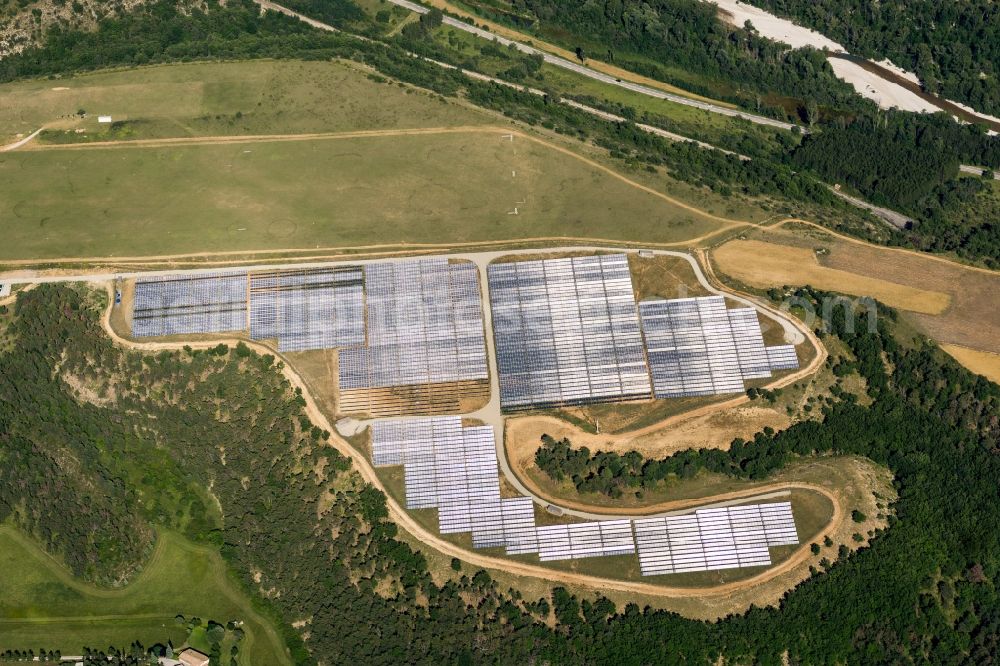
318, 193
43, 606
203, 99
65, 197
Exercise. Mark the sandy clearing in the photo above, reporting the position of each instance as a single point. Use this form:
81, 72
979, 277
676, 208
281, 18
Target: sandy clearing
884, 93
764, 264
773, 27
715, 430
402, 518
983, 363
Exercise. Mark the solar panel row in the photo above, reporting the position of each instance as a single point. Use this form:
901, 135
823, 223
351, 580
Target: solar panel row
310, 309
425, 325
578, 540
697, 347
782, 357
215, 303
713, 539
567, 332
454, 469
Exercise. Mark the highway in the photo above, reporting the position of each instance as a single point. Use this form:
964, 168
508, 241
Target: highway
582, 69
978, 171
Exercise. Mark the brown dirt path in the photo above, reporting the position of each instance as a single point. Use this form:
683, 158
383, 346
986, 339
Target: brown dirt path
713, 430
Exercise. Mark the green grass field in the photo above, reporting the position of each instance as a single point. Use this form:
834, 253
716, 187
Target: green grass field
318, 193
203, 99
43, 606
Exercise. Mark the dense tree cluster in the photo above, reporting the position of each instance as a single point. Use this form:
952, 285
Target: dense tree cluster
896, 158
909, 163
952, 45
614, 474
55, 480
654, 37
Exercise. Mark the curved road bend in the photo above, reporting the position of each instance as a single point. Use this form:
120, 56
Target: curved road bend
21, 142
490, 413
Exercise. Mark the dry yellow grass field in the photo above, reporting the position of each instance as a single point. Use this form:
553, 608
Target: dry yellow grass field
763, 264
968, 328
986, 364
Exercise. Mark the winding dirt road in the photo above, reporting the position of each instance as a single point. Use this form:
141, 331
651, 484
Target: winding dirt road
402, 518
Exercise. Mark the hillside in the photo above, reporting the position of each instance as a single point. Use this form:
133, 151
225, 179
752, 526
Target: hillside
25, 23
313, 541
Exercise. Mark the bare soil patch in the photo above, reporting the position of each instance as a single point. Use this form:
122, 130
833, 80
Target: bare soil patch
715, 430
763, 264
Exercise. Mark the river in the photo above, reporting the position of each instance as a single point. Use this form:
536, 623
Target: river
884, 83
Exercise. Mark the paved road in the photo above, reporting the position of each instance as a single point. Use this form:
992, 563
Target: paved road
897, 220
490, 413
978, 171
599, 76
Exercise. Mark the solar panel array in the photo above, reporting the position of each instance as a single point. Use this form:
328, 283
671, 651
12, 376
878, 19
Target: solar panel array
454, 469
782, 357
308, 309
214, 303
713, 539
425, 325
567, 332
577, 540
697, 347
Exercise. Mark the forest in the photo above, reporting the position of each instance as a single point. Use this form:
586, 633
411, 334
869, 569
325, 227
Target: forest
952, 46
658, 37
